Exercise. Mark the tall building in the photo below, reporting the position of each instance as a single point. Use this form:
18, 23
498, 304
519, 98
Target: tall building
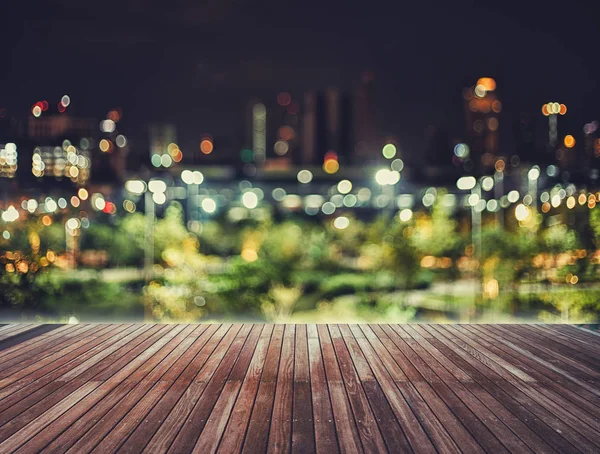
482, 109
524, 134
366, 145
327, 126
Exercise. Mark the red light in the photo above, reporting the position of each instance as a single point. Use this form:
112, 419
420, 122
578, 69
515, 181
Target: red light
61, 108
109, 208
44, 105
331, 155
284, 98
39, 104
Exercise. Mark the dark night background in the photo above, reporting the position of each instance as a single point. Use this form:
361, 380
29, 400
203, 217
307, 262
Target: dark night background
197, 63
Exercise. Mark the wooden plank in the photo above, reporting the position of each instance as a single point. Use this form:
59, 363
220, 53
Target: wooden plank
121, 419
16, 330
455, 392
461, 424
137, 361
36, 397
257, 435
368, 428
545, 356
499, 390
33, 345
31, 383
324, 424
575, 345
235, 363
515, 390
232, 410
345, 423
15, 369
555, 390
197, 379
192, 360
280, 433
381, 401
303, 436
554, 344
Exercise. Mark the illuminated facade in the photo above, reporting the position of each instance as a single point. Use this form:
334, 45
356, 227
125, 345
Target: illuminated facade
482, 109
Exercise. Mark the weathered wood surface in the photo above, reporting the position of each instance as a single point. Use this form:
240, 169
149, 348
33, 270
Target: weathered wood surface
300, 388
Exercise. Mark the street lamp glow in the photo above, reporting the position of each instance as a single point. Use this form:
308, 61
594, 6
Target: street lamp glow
305, 176
187, 176
382, 176
389, 150
522, 212
341, 222
10, 215
487, 183
198, 177
393, 177
159, 198
466, 183
397, 164
157, 186
473, 200
513, 196
534, 173
406, 215
73, 224
250, 200
328, 208
344, 186
209, 205
135, 186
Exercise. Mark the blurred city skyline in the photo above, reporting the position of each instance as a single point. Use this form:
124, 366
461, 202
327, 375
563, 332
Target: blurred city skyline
198, 67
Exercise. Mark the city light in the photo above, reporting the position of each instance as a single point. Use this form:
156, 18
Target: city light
389, 151
522, 212
487, 183
344, 187
466, 183
209, 205
135, 186
250, 200
159, 198
305, 176
569, 141
405, 215
11, 214
385, 177
157, 186
341, 222
206, 146
534, 173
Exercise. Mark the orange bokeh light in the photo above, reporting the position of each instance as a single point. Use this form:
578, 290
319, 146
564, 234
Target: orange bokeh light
563, 109
331, 166
206, 146
545, 110
569, 141
488, 83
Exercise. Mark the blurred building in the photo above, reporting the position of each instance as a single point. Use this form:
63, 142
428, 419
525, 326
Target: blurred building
525, 143
366, 144
482, 108
328, 127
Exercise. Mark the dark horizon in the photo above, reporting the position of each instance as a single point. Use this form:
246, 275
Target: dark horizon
198, 66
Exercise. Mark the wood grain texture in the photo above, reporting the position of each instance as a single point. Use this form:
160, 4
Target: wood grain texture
255, 388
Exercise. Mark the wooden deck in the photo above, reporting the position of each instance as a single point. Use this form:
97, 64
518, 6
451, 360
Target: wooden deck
302, 388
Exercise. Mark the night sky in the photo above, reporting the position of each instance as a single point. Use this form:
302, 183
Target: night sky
197, 63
